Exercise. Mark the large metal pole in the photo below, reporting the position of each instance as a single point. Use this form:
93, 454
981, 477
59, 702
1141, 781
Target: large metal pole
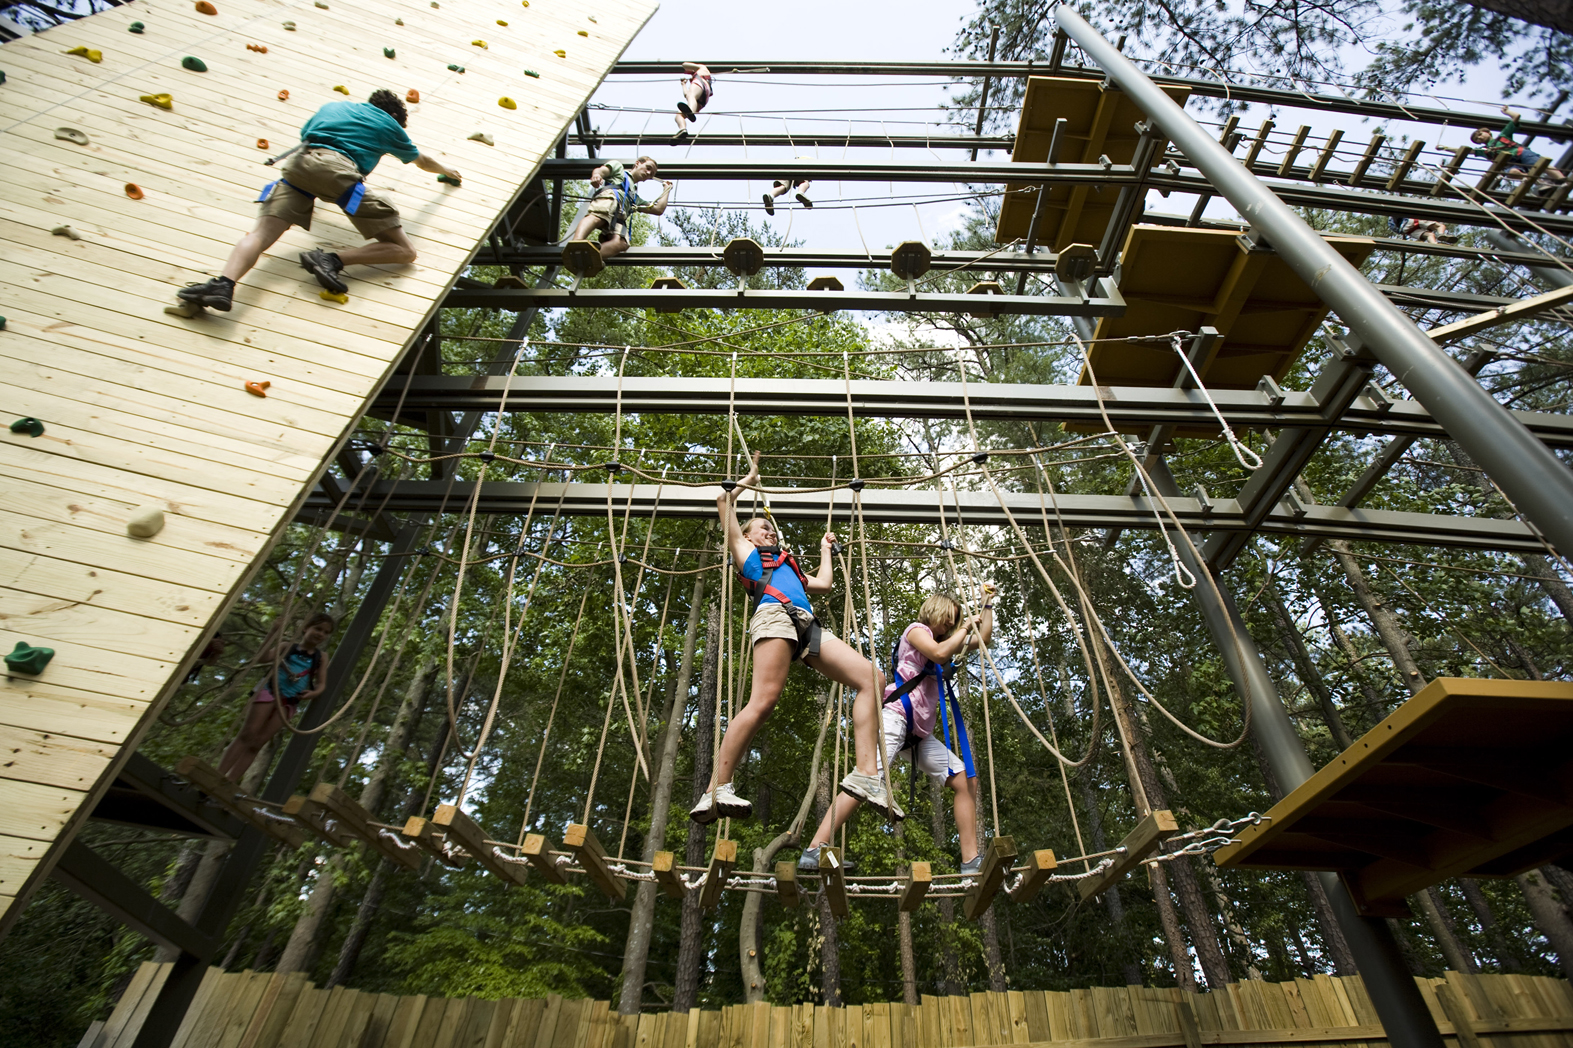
1393, 992
1539, 485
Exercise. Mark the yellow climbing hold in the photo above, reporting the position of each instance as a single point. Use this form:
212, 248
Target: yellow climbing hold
501, 22
341, 89
584, 32
478, 43
162, 101
507, 103
560, 53
88, 53
333, 296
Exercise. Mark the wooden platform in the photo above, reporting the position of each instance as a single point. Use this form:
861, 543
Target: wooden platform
142, 408
263, 1010
1100, 121
1177, 279
1469, 778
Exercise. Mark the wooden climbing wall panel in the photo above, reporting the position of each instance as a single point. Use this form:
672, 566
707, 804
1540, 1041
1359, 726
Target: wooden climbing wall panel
141, 408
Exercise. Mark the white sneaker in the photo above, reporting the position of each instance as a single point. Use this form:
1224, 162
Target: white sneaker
722, 802
870, 789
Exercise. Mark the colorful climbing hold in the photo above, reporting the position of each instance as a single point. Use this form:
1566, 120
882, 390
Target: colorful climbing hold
196, 65
86, 52
205, 8
584, 32
2, 323
319, 3
31, 426
501, 22
66, 231
387, 52
434, 3
262, 143
284, 95
289, 26
333, 296
526, 3
457, 68
133, 191
533, 73
592, 18
25, 658
412, 95
482, 137
507, 103
145, 522
478, 43
560, 53
260, 49
341, 89
184, 309
260, 389
448, 180
162, 101
71, 134
398, 21
136, 27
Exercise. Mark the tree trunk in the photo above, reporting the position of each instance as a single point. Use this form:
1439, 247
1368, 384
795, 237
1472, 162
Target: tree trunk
1550, 917
1376, 706
349, 953
300, 951
1232, 926
1173, 934
1507, 958
829, 942
950, 960
691, 938
1434, 908
1305, 666
641, 920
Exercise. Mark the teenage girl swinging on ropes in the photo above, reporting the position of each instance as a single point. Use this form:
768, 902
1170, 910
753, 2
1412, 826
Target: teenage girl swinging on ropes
783, 629
302, 676
914, 717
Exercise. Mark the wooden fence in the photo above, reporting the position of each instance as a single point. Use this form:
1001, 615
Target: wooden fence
264, 1010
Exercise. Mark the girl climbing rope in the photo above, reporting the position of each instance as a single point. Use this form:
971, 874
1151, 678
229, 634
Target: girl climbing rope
920, 669
784, 629
301, 675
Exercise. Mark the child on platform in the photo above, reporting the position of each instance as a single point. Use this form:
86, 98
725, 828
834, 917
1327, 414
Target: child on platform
783, 630
302, 676
914, 709
340, 145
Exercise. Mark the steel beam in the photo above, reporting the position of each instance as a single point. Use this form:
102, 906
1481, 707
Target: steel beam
148, 797
87, 874
923, 506
1292, 98
1136, 407
1107, 303
840, 142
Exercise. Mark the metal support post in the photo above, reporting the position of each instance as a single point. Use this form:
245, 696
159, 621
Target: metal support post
1393, 991
1534, 478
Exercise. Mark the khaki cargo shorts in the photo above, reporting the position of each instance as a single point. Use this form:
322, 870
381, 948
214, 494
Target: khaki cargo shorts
603, 207
326, 174
773, 620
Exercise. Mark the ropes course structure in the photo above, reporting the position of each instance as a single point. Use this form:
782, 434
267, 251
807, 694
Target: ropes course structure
1177, 364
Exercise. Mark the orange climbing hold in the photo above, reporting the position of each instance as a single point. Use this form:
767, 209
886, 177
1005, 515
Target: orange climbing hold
133, 191
205, 8
260, 49
412, 95
262, 143
258, 389
284, 95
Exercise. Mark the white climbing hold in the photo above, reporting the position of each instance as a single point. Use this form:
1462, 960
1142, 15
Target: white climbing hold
482, 136
145, 522
66, 231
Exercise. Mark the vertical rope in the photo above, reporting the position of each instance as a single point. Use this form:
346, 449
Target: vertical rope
546, 734
644, 719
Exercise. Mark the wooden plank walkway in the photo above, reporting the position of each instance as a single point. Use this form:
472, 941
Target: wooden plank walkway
142, 408
261, 1010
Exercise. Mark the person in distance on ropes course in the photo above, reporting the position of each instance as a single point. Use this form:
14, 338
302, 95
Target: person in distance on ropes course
1427, 231
339, 147
781, 185
302, 675
1520, 158
783, 630
697, 91
921, 668
615, 199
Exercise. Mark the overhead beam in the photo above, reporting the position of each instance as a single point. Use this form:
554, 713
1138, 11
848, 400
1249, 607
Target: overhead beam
923, 506
792, 141
1109, 303
1127, 406
1290, 98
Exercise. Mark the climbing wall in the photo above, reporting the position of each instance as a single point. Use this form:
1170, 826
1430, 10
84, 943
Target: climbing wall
140, 408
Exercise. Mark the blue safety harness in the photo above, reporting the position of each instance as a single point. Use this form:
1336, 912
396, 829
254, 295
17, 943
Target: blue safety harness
945, 674
348, 201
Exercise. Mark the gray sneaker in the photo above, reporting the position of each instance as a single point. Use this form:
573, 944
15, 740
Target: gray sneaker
870, 789
972, 867
808, 862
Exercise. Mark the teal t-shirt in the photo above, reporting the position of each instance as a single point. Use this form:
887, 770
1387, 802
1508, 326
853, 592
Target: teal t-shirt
361, 132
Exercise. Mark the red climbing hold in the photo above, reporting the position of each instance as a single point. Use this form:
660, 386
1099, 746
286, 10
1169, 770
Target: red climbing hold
133, 191
205, 8
258, 389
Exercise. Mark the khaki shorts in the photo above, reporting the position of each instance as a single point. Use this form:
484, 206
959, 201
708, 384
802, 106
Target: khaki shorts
774, 620
326, 174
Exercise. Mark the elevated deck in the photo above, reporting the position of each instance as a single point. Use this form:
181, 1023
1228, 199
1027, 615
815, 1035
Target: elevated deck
144, 409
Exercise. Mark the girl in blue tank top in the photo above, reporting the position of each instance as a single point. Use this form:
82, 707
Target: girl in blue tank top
301, 676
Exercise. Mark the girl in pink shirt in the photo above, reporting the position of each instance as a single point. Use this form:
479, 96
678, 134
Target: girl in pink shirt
912, 712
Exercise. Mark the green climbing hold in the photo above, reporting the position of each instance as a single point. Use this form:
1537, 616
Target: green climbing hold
387, 52
447, 180
25, 658
531, 72
31, 426
196, 65
135, 27
2, 323
457, 68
